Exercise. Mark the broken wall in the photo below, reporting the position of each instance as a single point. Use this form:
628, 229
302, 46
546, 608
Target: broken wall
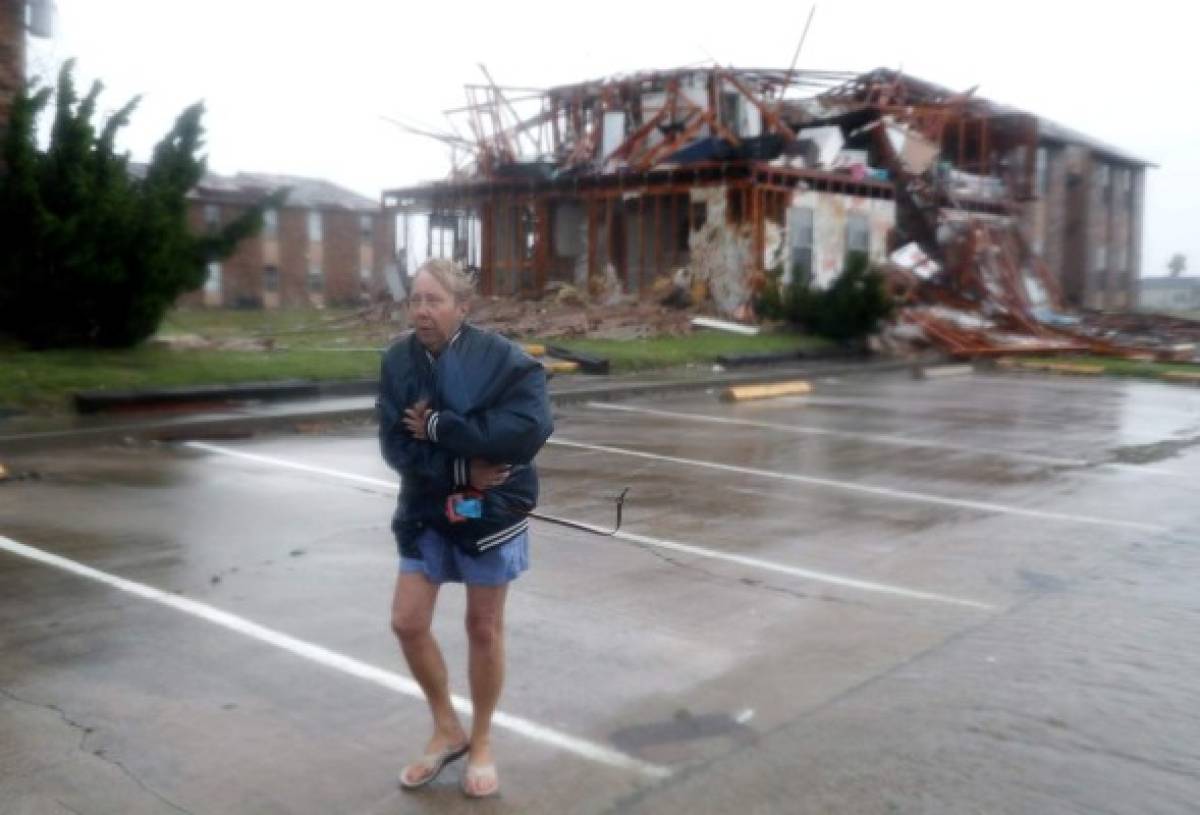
722, 253
654, 226
831, 217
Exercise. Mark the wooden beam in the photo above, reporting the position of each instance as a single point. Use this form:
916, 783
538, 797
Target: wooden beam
666, 148
673, 229
543, 237
635, 138
642, 242
658, 243
770, 117
714, 122
487, 282
593, 234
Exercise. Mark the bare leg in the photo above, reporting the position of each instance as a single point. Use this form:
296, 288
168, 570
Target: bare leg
412, 618
485, 634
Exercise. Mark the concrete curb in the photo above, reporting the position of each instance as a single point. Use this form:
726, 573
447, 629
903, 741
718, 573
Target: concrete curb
226, 425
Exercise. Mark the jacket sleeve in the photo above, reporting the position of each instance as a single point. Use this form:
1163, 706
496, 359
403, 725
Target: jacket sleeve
511, 431
408, 456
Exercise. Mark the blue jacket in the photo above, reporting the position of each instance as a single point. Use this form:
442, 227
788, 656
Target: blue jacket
489, 401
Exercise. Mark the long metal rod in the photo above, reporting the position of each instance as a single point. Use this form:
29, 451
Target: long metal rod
586, 527
787, 78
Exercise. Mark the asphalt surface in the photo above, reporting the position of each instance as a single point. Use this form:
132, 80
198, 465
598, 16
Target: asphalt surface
975, 594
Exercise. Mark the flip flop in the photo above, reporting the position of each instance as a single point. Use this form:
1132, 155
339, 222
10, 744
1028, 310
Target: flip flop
435, 762
474, 773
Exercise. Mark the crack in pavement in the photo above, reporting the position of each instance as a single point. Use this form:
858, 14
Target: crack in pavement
84, 732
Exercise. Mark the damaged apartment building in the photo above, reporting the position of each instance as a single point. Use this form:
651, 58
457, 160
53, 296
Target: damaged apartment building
325, 245
733, 174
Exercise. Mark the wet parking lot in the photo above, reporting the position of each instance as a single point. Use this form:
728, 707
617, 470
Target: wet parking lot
972, 595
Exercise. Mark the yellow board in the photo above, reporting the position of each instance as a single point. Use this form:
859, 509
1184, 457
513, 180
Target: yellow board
561, 367
1069, 368
1053, 367
535, 350
1189, 377
740, 393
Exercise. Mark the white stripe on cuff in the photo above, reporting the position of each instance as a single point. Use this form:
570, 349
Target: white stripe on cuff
503, 536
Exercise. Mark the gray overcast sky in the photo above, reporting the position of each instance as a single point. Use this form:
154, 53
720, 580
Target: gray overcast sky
299, 87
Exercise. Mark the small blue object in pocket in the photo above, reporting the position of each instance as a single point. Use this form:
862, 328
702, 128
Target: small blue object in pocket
469, 507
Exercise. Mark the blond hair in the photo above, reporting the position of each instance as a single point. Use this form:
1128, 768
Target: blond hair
450, 277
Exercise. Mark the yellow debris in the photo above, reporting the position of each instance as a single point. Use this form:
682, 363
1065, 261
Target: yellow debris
1073, 368
561, 367
740, 393
535, 350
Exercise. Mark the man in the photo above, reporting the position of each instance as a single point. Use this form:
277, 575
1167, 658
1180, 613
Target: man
462, 414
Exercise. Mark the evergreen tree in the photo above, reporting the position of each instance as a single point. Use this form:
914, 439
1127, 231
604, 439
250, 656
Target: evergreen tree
95, 256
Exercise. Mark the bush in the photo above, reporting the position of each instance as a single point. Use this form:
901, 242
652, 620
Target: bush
851, 308
94, 256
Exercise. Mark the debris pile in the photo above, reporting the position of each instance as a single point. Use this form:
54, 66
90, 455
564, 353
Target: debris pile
553, 319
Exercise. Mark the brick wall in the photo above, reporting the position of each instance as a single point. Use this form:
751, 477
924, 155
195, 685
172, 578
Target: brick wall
293, 257
241, 272
341, 257
12, 55
342, 254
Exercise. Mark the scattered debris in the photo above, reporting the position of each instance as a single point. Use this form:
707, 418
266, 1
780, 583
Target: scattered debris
742, 393
195, 342
588, 363
941, 371
725, 325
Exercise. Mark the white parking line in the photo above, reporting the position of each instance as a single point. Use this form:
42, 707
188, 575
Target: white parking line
643, 540
897, 441
866, 489
804, 430
331, 659
791, 571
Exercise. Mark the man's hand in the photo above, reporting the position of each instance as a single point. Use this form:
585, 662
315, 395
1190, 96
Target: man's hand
415, 418
485, 474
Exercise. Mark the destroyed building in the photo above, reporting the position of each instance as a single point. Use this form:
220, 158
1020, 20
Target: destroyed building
735, 174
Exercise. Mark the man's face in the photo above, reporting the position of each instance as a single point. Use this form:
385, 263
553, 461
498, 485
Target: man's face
435, 314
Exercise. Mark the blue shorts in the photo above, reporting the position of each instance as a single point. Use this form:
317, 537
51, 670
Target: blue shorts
442, 562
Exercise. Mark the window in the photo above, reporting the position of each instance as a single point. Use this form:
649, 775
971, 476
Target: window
800, 245
730, 100
316, 279
212, 283
212, 217
270, 279
271, 223
1101, 257
858, 235
315, 227
1123, 256
364, 274
699, 215
1101, 180
1042, 171
366, 227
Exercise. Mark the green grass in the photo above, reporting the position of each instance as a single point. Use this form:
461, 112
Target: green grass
1122, 367
290, 328
702, 346
45, 380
